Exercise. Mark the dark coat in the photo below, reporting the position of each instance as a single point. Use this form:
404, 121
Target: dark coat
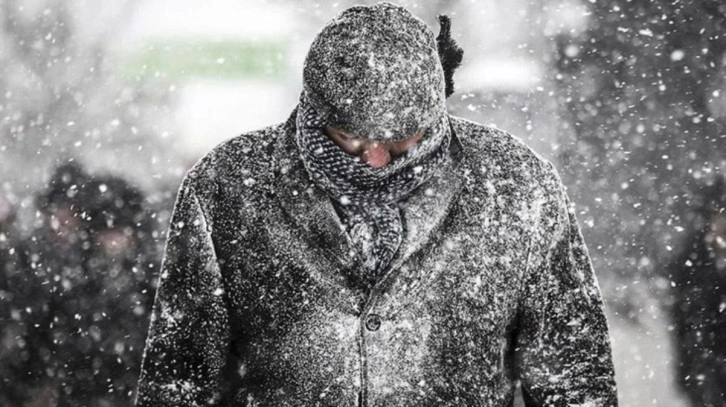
257, 304
699, 295
75, 304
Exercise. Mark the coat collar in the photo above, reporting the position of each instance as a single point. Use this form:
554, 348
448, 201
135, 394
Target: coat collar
312, 211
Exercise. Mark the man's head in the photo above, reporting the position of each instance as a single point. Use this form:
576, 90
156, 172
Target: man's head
62, 203
374, 73
713, 211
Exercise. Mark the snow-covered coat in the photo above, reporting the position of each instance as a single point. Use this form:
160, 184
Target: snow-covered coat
492, 284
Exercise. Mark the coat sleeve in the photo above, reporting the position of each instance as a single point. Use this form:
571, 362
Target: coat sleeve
187, 345
563, 347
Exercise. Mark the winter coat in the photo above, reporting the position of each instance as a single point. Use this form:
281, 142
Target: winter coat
492, 285
76, 299
698, 288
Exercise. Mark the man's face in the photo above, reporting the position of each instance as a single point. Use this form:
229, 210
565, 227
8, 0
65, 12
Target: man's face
716, 236
116, 242
65, 227
377, 154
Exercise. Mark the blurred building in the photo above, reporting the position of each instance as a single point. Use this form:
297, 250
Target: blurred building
227, 63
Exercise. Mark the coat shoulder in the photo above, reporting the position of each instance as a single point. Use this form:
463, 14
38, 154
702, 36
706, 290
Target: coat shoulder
246, 159
496, 157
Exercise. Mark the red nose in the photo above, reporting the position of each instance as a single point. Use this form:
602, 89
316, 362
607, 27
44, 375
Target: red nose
376, 155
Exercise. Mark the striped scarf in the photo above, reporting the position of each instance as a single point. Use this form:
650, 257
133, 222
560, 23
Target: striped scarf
367, 198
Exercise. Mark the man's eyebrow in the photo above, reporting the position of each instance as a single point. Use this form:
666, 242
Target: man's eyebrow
341, 132
347, 135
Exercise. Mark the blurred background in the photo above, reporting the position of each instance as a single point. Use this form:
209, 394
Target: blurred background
105, 105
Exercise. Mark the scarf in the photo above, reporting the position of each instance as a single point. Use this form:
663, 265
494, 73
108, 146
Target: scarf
367, 198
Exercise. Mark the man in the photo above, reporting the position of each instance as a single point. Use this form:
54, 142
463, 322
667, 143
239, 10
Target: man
698, 312
117, 288
38, 324
76, 305
375, 251
10, 327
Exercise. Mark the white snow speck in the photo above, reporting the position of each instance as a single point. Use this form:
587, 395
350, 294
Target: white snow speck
249, 182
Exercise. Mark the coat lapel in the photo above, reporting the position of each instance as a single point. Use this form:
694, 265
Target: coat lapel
426, 210
423, 215
312, 211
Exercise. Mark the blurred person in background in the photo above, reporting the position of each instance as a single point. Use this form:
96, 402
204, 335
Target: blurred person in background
81, 297
9, 236
9, 327
374, 250
698, 277
119, 291
49, 259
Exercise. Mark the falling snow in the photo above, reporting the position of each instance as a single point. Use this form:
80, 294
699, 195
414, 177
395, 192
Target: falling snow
130, 273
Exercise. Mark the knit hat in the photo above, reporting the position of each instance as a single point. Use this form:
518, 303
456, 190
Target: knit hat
375, 72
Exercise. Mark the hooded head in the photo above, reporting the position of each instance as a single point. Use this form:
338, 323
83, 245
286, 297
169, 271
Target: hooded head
375, 72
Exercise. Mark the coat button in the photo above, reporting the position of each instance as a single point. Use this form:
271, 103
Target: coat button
373, 322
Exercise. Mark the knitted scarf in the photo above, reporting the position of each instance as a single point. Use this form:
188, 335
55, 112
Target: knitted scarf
367, 198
